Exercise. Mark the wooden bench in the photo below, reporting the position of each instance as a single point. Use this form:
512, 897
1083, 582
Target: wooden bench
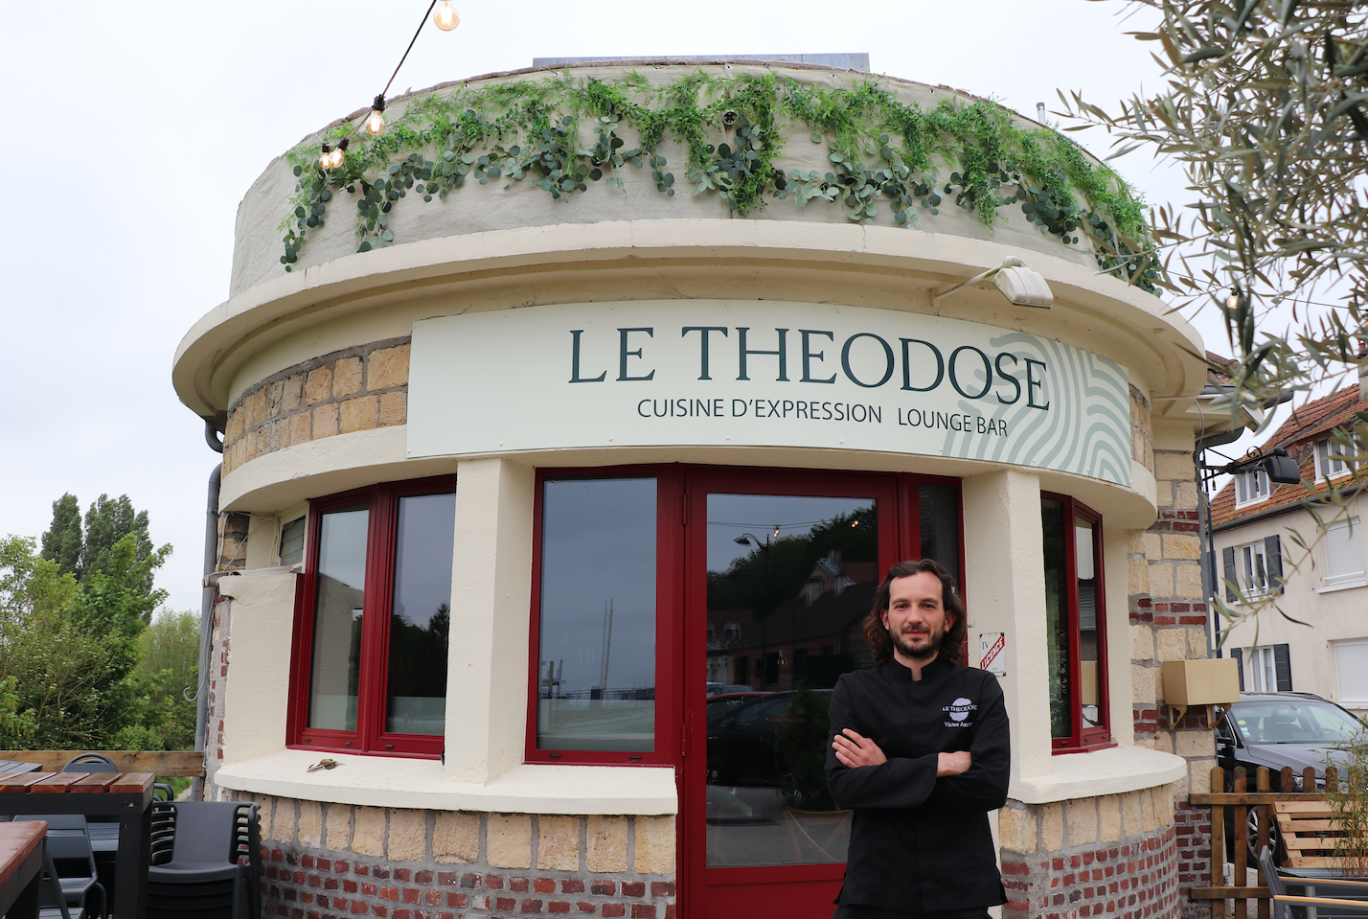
1310, 834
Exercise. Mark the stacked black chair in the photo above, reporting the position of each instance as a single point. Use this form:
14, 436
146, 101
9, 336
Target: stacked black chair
104, 834
51, 901
72, 861
206, 861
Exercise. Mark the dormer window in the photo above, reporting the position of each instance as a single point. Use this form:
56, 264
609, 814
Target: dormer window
1329, 461
1250, 486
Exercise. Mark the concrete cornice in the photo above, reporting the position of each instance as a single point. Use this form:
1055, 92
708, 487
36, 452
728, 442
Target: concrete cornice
1155, 344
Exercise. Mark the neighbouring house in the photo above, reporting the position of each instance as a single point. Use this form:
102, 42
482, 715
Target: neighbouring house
510, 474
1287, 545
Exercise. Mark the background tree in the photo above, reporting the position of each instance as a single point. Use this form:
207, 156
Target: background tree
84, 550
1266, 108
166, 678
79, 668
71, 648
1265, 105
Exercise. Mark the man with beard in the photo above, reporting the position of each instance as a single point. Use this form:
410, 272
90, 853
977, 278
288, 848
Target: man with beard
920, 753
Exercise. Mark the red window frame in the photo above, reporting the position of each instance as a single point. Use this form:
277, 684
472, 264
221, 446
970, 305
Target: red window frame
370, 736
669, 615
680, 488
1083, 739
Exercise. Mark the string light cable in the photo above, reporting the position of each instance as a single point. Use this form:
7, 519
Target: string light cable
444, 17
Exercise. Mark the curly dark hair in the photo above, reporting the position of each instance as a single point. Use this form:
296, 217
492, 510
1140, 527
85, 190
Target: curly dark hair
876, 635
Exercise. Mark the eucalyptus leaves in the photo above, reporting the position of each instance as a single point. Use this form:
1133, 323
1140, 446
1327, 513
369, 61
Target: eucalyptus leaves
882, 154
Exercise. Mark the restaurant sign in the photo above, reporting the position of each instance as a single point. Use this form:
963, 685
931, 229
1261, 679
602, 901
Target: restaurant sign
762, 373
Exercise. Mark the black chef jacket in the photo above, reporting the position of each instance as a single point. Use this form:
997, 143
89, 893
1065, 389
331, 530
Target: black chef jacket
919, 843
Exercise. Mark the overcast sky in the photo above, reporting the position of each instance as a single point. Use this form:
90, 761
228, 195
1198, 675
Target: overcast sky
132, 131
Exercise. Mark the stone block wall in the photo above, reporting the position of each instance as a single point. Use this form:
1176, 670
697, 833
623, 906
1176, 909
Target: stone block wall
327, 861
218, 675
1168, 622
1142, 430
1113, 856
357, 389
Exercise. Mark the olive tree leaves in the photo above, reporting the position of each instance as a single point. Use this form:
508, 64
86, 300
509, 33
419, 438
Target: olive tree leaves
1265, 105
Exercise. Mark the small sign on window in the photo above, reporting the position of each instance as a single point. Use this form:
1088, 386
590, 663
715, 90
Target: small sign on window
992, 656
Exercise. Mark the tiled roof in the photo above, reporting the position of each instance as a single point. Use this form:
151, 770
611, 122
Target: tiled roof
1297, 435
1214, 363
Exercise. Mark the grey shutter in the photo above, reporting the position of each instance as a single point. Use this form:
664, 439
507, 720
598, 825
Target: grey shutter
1238, 655
1273, 561
1228, 562
1282, 663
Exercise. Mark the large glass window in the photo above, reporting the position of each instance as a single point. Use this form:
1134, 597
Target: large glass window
1075, 624
1344, 553
596, 661
1330, 460
372, 621
797, 574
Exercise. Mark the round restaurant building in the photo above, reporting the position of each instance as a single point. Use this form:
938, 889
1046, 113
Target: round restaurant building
568, 431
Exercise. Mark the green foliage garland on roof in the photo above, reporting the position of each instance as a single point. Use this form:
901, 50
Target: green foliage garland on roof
883, 156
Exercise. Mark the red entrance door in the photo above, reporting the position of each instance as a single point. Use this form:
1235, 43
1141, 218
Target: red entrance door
780, 571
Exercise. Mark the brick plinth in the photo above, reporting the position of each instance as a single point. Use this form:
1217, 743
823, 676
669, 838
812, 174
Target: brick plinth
328, 861
1116, 857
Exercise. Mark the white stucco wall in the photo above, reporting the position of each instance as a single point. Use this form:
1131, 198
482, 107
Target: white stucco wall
1331, 615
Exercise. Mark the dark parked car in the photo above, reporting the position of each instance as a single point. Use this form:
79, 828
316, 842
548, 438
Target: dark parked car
722, 705
762, 740
1277, 729
717, 689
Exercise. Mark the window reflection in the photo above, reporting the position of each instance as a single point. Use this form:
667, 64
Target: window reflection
938, 505
790, 580
337, 618
596, 670
1052, 521
421, 615
1085, 551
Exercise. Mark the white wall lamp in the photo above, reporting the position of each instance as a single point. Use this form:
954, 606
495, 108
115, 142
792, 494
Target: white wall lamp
1019, 284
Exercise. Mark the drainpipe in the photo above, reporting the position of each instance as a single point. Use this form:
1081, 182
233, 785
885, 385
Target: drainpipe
207, 601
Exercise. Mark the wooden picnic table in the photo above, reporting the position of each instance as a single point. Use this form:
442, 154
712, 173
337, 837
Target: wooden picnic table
15, 767
125, 797
21, 868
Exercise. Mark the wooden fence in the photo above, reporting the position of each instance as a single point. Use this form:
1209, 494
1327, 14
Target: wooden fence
1239, 801
187, 764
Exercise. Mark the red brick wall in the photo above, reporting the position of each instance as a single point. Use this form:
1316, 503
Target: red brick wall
303, 886
1128, 880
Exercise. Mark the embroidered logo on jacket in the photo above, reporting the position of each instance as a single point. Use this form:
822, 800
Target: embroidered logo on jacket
959, 713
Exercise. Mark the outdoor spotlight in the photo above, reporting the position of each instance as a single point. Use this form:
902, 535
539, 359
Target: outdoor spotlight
1281, 468
1019, 284
1022, 286
446, 18
375, 124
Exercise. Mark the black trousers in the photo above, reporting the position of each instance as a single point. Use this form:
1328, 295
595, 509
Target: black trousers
875, 912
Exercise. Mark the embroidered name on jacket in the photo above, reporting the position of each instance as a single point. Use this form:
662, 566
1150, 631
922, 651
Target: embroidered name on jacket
959, 713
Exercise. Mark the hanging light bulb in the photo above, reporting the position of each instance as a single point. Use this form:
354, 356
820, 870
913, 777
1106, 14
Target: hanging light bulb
332, 156
446, 18
375, 122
